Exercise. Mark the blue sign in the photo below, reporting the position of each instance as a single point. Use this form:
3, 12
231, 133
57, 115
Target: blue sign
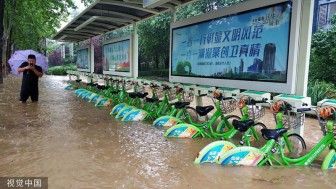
251, 45
83, 58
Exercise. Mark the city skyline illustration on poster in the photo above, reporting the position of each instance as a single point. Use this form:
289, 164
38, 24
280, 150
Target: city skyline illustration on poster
83, 58
116, 56
252, 45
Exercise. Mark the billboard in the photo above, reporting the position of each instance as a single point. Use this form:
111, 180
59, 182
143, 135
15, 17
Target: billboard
248, 45
117, 57
83, 59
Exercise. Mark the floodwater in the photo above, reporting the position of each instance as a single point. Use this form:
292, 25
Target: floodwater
77, 145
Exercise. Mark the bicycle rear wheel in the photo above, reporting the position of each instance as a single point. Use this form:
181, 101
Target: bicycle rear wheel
298, 145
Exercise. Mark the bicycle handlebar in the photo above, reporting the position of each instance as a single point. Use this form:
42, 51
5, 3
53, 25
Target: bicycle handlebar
303, 109
254, 102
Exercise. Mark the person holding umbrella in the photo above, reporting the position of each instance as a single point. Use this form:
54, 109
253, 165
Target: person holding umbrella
31, 73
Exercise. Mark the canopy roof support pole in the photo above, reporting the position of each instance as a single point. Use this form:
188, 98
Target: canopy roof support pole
134, 62
306, 21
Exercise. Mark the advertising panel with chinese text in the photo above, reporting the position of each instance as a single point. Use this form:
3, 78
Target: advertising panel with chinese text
83, 59
116, 56
252, 45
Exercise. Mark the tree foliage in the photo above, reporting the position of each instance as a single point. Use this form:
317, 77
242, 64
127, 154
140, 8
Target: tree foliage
28, 23
154, 38
154, 33
55, 58
34, 20
323, 55
204, 6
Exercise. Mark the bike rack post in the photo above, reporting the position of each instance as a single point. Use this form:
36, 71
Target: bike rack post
202, 90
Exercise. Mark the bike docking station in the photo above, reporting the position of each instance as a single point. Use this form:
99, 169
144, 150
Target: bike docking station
295, 119
327, 102
229, 92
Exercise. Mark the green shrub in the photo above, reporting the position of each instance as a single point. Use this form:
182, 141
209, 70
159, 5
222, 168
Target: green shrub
320, 90
160, 73
61, 70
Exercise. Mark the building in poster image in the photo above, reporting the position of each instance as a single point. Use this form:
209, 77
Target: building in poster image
269, 58
256, 66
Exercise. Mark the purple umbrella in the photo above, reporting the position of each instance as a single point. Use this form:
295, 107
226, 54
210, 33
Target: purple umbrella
21, 56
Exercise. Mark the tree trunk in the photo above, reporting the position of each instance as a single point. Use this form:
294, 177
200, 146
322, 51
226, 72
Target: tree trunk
4, 52
8, 24
166, 61
2, 6
157, 61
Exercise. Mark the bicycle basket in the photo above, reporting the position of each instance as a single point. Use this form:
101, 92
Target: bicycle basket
188, 96
172, 94
325, 114
292, 120
158, 93
228, 106
255, 112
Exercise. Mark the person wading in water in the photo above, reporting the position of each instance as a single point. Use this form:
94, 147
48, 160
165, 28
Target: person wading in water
31, 73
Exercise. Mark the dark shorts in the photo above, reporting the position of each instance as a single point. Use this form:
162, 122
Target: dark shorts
25, 93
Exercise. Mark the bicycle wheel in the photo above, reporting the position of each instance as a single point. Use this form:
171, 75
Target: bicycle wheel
257, 127
193, 115
222, 128
298, 145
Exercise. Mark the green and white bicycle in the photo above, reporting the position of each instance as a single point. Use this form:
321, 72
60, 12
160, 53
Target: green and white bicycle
291, 142
250, 156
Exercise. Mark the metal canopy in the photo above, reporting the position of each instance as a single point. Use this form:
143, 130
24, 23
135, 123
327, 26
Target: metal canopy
107, 15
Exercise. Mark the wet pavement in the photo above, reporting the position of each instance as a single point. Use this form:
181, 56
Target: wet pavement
77, 145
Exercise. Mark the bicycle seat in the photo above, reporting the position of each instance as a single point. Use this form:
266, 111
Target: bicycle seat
204, 110
132, 95
273, 133
101, 87
142, 95
151, 99
78, 80
180, 105
114, 92
242, 126
105, 87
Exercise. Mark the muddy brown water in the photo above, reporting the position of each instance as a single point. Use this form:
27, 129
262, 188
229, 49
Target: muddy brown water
77, 145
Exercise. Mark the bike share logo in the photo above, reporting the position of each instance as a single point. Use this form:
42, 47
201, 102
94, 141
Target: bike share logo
315, 154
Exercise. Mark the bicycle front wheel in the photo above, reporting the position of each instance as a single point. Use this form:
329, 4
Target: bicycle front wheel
193, 116
261, 141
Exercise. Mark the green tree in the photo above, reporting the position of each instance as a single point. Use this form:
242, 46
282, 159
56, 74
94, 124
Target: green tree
154, 38
323, 55
27, 24
204, 6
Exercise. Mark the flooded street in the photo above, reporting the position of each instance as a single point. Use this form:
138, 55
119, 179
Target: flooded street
77, 145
